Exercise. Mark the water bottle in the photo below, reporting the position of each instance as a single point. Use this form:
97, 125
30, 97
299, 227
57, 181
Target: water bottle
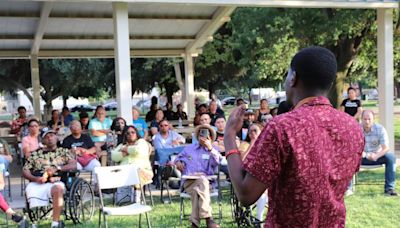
180, 122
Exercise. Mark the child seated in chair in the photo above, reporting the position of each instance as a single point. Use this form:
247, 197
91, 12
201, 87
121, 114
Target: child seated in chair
199, 161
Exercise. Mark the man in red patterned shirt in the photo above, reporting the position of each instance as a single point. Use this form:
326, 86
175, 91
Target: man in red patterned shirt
306, 157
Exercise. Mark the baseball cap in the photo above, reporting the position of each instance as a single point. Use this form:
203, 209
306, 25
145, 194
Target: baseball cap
46, 131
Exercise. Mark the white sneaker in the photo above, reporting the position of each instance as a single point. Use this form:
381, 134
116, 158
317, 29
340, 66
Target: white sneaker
349, 192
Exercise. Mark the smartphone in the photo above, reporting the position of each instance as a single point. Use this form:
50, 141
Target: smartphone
204, 133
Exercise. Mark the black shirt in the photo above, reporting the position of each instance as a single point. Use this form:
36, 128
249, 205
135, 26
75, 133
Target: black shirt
84, 141
351, 106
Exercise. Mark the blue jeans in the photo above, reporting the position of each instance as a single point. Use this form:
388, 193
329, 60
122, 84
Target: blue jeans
390, 168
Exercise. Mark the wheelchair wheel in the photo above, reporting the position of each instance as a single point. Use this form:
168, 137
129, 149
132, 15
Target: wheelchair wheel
81, 201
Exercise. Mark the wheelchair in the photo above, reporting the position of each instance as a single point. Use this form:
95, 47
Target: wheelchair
78, 201
243, 216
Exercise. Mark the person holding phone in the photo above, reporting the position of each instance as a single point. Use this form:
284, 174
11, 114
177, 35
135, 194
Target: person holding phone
199, 161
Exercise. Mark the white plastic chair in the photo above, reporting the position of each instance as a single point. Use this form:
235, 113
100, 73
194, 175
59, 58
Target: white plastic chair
115, 177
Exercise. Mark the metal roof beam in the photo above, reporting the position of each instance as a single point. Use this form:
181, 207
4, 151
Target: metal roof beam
365, 4
220, 17
34, 15
46, 54
44, 18
93, 37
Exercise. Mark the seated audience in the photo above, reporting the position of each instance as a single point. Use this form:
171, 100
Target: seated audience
376, 150
134, 150
249, 118
99, 127
167, 138
200, 111
180, 113
5, 156
201, 160
154, 125
82, 147
84, 119
66, 116
152, 113
263, 113
214, 112
31, 142
41, 169
240, 101
139, 123
274, 112
18, 125
352, 105
118, 126
55, 122
169, 113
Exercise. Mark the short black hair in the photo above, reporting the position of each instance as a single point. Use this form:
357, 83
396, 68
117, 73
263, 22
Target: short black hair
316, 67
53, 111
21, 108
65, 108
83, 115
351, 88
33, 120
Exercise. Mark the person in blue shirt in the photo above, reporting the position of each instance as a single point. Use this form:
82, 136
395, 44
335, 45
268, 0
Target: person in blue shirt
139, 123
99, 127
66, 116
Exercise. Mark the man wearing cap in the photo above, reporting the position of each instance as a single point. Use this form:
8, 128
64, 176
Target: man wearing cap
41, 168
199, 161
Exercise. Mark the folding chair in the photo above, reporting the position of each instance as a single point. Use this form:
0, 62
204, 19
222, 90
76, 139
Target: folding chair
120, 176
215, 193
162, 157
367, 167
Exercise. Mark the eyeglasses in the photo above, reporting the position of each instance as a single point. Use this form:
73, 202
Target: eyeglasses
131, 132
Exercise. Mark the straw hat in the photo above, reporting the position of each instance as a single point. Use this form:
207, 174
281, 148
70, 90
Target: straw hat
213, 135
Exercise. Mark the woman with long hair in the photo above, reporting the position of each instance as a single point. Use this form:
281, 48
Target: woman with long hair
134, 150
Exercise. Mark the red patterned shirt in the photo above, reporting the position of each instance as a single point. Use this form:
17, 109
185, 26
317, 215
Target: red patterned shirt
307, 157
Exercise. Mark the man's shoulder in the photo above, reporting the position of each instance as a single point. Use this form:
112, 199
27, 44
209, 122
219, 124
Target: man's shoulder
378, 127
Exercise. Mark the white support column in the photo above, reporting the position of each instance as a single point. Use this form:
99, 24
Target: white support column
35, 86
189, 85
385, 72
122, 60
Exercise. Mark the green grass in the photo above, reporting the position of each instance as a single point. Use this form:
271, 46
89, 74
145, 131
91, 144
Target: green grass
368, 207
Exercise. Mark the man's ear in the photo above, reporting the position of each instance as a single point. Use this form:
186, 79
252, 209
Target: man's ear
294, 80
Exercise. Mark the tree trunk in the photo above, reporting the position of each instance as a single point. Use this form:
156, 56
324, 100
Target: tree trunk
211, 89
397, 90
249, 94
169, 94
48, 108
178, 75
65, 98
336, 92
